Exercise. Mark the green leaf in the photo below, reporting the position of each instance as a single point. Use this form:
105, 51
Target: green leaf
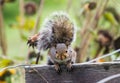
110, 17
5, 62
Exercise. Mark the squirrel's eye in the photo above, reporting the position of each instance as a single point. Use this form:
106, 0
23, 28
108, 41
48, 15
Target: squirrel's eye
66, 51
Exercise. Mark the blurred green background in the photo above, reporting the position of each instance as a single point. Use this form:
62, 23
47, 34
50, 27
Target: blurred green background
17, 34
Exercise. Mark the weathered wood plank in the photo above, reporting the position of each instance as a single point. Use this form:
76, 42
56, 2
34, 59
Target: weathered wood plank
83, 73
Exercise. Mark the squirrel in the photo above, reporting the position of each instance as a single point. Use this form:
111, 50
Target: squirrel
57, 35
61, 54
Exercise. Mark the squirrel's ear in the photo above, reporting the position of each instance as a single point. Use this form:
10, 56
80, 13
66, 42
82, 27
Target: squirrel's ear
67, 44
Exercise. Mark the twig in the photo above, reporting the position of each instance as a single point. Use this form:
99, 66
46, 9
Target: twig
69, 3
40, 75
38, 17
3, 43
109, 78
22, 12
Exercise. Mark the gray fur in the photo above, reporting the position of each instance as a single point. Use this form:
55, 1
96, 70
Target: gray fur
57, 29
61, 48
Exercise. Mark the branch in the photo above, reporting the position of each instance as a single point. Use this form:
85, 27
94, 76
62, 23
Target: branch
22, 12
3, 43
21, 6
38, 17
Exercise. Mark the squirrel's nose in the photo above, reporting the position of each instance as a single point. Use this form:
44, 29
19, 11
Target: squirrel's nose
61, 57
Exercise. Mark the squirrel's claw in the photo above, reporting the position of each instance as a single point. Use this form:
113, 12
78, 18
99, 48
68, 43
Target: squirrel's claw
30, 43
69, 67
58, 69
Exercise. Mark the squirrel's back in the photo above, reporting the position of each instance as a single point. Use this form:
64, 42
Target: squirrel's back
57, 29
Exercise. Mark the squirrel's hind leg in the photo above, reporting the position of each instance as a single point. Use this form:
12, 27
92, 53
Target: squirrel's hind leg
38, 56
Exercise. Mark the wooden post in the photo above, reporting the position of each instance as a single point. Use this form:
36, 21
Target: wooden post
82, 73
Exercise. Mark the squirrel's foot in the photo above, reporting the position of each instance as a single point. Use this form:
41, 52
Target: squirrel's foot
69, 67
57, 68
32, 41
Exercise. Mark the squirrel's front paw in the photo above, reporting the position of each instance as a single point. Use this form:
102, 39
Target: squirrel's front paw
69, 67
58, 69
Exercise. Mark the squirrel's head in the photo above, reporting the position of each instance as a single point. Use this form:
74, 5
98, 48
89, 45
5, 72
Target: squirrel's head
61, 51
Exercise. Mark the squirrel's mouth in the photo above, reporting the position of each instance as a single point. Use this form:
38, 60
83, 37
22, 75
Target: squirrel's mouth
62, 60
61, 57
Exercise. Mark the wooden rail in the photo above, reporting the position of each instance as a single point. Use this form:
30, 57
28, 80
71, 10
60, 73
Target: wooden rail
82, 73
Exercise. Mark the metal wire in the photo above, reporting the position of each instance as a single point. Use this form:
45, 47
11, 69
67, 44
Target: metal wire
103, 56
109, 78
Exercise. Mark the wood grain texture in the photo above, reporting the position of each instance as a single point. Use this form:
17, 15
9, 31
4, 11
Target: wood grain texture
82, 73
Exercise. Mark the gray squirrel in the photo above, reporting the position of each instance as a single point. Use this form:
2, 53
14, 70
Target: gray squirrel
56, 36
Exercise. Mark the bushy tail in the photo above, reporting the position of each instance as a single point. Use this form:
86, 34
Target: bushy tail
57, 29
